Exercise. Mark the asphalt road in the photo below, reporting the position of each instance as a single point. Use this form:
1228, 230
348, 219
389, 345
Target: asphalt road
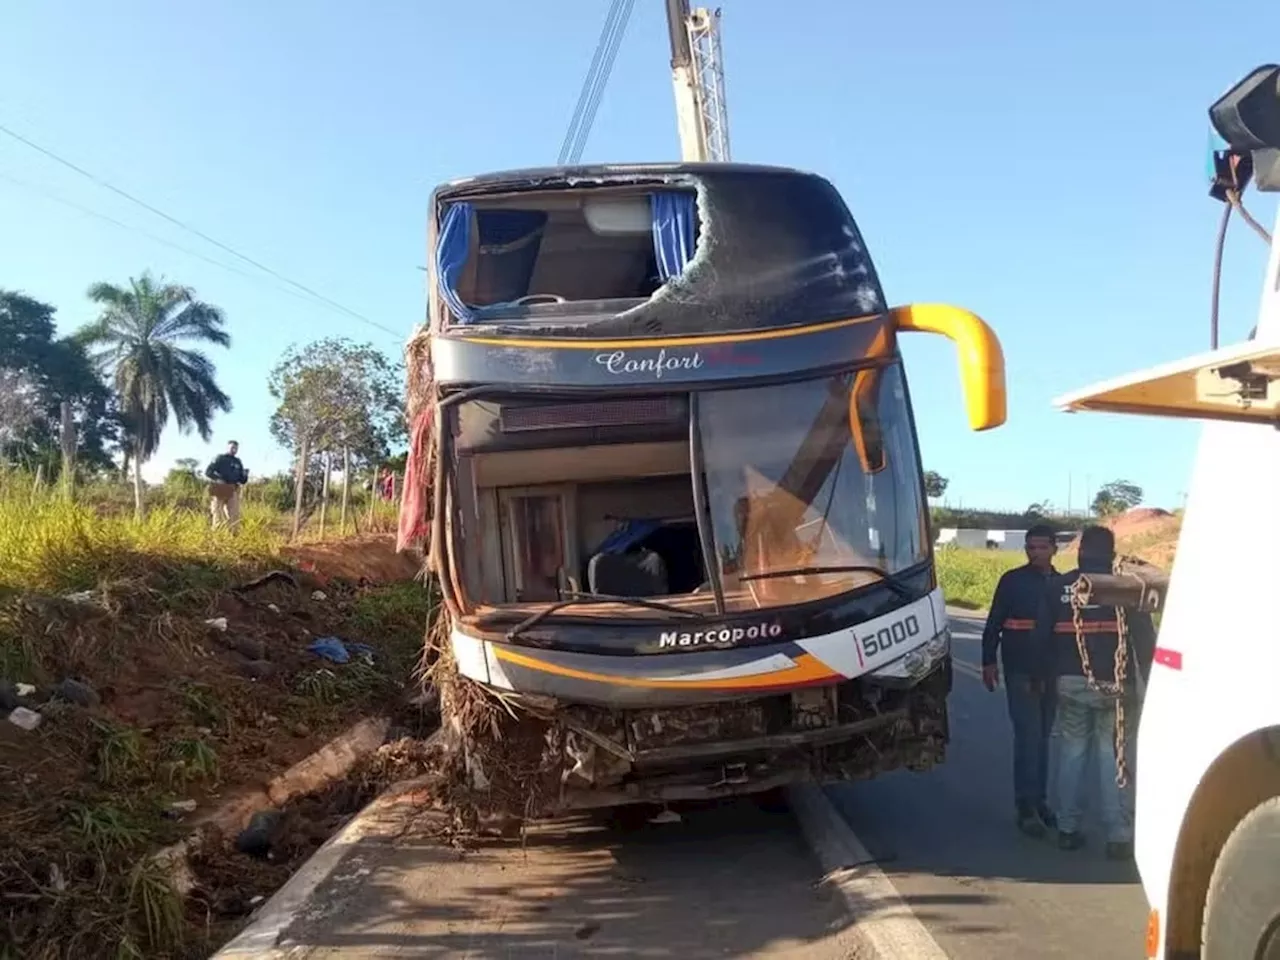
946, 840
727, 880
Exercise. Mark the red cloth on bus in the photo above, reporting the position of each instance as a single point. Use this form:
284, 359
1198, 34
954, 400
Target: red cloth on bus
414, 524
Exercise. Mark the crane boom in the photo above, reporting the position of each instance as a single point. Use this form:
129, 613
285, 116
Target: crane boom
697, 72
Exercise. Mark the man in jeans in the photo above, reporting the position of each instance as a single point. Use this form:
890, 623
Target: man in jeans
1086, 713
1019, 597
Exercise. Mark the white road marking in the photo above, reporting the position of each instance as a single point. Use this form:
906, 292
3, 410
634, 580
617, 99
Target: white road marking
883, 918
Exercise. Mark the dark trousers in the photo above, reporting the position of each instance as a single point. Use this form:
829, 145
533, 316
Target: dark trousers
1032, 715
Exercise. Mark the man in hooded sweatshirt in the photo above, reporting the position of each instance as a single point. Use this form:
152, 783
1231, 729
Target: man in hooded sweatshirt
1085, 719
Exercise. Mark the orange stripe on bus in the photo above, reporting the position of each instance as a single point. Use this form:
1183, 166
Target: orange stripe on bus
808, 669
569, 343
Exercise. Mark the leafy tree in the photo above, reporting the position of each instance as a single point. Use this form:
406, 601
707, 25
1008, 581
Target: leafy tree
336, 397
935, 484
41, 371
1040, 509
1116, 497
183, 478
140, 338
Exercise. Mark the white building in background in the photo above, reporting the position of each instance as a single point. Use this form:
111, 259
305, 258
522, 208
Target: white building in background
981, 539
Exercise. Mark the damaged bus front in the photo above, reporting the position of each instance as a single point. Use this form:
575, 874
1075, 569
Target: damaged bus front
678, 500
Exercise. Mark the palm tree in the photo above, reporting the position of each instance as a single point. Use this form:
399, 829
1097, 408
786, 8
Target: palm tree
139, 339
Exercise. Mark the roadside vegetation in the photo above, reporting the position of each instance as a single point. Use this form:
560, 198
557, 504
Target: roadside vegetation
149, 674
158, 689
969, 576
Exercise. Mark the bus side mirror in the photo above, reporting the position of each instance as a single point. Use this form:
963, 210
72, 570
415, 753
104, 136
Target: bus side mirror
981, 359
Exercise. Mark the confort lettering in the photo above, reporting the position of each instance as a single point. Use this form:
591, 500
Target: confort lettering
724, 637
618, 362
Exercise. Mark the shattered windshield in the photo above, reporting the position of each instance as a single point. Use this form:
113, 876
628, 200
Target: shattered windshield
808, 482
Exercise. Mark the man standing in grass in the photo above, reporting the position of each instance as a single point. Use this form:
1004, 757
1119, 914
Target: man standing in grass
1009, 629
227, 475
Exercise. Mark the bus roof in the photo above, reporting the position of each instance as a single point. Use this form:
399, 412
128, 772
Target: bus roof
550, 177
1239, 383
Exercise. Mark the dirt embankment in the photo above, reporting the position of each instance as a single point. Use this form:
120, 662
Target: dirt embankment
138, 708
1148, 533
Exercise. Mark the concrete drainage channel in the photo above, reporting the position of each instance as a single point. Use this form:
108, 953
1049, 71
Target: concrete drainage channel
302, 917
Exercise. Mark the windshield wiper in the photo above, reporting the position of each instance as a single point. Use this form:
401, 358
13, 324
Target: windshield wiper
576, 598
894, 584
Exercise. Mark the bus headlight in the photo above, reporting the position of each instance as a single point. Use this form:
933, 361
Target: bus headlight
939, 645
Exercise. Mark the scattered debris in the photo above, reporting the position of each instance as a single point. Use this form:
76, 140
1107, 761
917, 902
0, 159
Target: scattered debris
249, 647
319, 595
218, 623
275, 576
273, 608
73, 691
666, 815
339, 651
83, 598
256, 669
25, 689
255, 839
24, 718
182, 806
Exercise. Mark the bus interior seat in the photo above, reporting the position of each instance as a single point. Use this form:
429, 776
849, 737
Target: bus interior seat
641, 573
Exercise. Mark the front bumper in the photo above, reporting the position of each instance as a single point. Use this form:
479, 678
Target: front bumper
894, 650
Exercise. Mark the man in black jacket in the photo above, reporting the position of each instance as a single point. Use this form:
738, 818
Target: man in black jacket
1018, 599
227, 475
1086, 712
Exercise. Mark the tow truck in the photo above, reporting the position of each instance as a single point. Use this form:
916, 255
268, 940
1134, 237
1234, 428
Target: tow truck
1208, 752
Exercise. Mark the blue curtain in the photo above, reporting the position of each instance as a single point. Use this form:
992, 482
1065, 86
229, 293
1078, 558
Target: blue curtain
451, 256
628, 534
674, 225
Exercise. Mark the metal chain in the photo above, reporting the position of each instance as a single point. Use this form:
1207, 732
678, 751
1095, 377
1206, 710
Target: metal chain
1114, 689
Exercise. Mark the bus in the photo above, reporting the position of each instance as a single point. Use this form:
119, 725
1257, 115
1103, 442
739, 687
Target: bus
1207, 823
670, 485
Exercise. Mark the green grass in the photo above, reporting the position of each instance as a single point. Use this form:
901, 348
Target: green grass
47, 544
968, 577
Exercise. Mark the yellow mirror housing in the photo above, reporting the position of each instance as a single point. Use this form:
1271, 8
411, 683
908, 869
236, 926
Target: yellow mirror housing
981, 359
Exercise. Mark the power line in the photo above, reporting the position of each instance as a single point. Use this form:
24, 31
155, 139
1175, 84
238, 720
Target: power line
588, 81
89, 211
190, 229
597, 78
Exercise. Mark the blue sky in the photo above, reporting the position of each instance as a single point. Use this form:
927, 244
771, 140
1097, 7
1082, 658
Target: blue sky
1041, 164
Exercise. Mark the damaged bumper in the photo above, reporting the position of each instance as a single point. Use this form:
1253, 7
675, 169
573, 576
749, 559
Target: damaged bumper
727, 722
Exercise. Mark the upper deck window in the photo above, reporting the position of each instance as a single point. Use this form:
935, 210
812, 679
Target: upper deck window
496, 258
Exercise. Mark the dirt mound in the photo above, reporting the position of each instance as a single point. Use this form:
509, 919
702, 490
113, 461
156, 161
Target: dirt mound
370, 558
1138, 520
1148, 533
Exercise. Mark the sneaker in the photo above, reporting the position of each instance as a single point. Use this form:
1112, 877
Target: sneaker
1070, 840
1119, 850
1029, 822
1047, 817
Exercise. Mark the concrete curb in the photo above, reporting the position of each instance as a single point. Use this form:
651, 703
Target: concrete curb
261, 938
881, 916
